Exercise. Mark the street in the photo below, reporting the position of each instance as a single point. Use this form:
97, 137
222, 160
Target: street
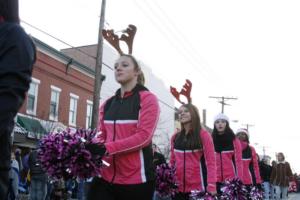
294, 196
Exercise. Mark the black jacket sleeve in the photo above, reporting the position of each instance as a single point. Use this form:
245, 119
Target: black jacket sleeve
17, 55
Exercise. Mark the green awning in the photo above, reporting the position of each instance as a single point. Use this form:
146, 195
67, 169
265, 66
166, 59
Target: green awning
33, 126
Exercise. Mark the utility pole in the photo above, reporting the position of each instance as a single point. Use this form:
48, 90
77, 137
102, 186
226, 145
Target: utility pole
222, 101
247, 126
98, 68
264, 150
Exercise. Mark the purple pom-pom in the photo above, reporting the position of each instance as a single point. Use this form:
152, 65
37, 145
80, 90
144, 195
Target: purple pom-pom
53, 153
234, 190
198, 195
256, 193
165, 180
63, 155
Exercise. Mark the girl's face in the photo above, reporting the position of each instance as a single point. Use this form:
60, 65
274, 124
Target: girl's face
184, 115
220, 125
125, 70
280, 157
242, 136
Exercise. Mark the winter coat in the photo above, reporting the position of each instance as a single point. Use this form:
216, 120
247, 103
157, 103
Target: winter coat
228, 158
127, 124
281, 174
251, 175
17, 55
195, 168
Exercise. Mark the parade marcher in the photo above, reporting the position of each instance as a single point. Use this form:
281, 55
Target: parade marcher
251, 174
17, 55
265, 173
192, 155
158, 157
127, 124
281, 174
228, 151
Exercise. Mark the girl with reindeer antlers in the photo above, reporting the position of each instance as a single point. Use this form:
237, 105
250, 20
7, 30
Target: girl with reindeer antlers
192, 150
127, 122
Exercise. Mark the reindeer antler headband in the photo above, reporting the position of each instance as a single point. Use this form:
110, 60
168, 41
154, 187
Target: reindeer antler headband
127, 37
185, 91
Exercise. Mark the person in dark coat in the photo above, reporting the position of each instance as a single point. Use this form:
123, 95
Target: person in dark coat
265, 173
17, 55
158, 157
280, 176
38, 183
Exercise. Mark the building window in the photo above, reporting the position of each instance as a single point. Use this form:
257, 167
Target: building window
54, 102
89, 111
32, 97
73, 109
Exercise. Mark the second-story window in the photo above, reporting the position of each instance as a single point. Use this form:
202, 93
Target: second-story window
73, 109
89, 109
54, 103
32, 97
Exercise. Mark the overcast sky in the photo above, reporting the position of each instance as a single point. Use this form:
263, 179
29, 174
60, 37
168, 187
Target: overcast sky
244, 49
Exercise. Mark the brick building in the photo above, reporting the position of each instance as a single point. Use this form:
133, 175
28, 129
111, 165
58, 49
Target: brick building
60, 95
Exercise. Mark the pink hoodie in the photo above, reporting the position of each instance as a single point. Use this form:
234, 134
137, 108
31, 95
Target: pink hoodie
190, 164
251, 173
229, 163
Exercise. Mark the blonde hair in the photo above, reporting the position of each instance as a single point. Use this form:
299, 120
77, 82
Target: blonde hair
141, 77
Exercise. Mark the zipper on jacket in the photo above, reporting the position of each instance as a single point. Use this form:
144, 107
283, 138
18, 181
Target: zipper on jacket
221, 167
184, 141
114, 138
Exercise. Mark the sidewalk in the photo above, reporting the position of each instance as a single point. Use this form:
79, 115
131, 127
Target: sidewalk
294, 196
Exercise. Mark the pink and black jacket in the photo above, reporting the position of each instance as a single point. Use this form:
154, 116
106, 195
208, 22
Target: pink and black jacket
195, 168
127, 125
228, 154
251, 175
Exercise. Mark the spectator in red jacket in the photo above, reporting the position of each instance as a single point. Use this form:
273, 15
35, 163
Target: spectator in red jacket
228, 151
192, 154
251, 174
127, 123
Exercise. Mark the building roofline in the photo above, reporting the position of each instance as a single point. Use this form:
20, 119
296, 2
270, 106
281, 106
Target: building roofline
88, 45
63, 56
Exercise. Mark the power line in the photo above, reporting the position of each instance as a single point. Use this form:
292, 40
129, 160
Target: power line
176, 45
75, 48
178, 36
181, 36
48, 34
166, 26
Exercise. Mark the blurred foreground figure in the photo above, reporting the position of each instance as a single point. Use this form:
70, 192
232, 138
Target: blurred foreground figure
17, 55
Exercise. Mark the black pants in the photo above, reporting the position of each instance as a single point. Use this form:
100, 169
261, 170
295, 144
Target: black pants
102, 190
182, 196
219, 186
5, 149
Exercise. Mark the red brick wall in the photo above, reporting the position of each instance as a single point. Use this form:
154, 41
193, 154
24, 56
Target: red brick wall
53, 72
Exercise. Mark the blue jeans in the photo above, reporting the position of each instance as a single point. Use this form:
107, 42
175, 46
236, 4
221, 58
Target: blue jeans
157, 197
267, 189
38, 189
280, 189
